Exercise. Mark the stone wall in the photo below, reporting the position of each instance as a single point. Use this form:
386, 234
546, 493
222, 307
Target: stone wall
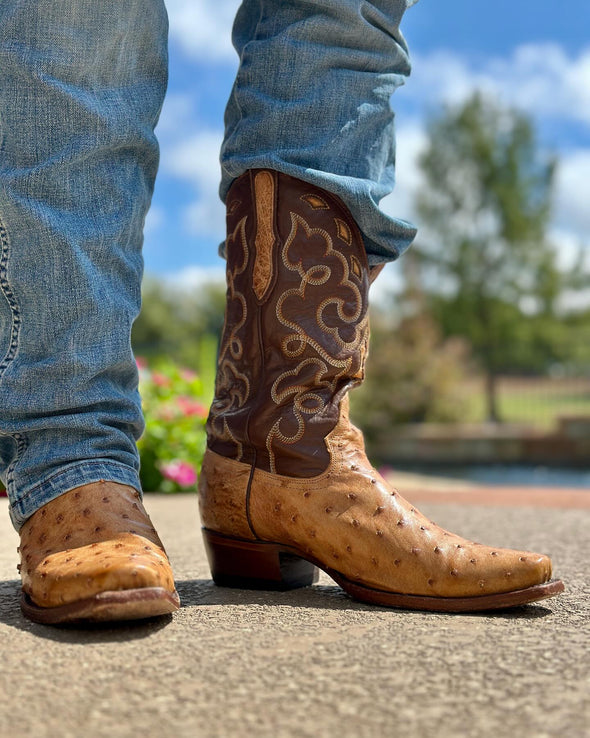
438, 443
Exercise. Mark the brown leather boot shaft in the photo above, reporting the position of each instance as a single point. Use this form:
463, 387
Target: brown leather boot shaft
297, 275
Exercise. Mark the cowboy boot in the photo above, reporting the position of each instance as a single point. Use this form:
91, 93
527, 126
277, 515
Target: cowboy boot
285, 485
93, 555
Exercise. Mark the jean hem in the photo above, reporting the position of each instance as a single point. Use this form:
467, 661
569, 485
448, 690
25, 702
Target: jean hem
385, 237
66, 479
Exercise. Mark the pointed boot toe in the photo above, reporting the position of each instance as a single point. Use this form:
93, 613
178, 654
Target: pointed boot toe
529, 569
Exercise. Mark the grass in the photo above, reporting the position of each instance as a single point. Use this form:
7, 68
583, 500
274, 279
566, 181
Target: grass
536, 401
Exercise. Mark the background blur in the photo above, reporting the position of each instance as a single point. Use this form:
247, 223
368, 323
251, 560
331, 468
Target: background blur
481, 333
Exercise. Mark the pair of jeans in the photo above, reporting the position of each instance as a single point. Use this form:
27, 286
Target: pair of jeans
81, 88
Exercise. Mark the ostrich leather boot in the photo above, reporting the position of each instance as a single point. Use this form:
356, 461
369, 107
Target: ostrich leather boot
285, 485
92, 554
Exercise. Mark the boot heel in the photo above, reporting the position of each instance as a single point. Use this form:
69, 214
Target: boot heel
255, 565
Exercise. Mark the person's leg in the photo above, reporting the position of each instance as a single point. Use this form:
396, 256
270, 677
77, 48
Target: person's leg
286, 485
312, 99
82, 86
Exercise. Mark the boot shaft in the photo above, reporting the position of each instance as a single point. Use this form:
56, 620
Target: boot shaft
296, 326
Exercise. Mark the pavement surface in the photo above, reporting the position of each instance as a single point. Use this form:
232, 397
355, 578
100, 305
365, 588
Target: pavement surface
311, 662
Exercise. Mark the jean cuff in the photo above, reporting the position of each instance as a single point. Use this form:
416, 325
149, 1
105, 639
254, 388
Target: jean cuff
67, 478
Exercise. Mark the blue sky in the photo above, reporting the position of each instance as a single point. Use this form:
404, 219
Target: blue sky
533, 55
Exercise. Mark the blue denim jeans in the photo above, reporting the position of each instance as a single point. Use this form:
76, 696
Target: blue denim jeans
312, 99
81, 87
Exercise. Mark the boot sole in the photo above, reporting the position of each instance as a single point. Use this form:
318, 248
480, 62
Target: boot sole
235, 562
129, 604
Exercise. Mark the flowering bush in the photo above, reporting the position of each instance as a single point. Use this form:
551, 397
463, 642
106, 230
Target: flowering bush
173, 443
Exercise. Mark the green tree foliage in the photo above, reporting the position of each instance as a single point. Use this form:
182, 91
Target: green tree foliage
486, 207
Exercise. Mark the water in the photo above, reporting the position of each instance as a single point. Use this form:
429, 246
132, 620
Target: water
512, 475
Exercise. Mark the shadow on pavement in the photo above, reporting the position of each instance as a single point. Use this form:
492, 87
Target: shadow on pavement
203, 592
10, 614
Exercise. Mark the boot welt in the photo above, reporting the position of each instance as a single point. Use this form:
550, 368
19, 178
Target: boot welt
480, 603
127, 604
273, 566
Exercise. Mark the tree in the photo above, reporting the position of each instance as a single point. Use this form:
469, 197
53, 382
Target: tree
486, 207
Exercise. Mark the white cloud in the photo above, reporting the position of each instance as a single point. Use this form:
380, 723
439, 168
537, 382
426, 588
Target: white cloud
155, 218
546, 81
540, 78
194, 277
205, 216
203, 28
410, 143
570, 224
178, 117
388, 283
196, 160
567, 244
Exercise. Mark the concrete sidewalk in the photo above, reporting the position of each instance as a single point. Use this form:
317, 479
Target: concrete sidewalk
309, 662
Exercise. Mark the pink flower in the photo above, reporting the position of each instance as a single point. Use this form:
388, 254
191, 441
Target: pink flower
188, 375
166, 413
161, 380
189, 407
141, 363
180, 472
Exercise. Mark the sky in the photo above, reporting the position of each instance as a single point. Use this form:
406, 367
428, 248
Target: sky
533, 55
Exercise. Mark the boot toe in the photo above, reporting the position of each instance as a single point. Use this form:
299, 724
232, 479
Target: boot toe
92, 540
508, 570
533, 569
128, 562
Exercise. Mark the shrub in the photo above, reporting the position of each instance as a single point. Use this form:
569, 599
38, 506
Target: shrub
175, 406
413, 376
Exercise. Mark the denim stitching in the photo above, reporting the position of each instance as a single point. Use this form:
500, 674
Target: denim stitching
10, 299
21, 443
21, 446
